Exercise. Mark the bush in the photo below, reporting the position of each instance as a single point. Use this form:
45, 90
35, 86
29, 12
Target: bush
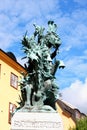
81, 124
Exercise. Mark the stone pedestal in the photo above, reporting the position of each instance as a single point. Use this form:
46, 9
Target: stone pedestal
36, 121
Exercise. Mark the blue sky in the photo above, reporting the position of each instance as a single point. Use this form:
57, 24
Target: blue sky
17, 16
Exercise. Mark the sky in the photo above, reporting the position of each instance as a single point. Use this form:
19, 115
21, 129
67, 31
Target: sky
18, 16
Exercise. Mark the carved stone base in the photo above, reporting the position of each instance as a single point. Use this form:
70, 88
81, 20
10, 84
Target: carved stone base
36, 121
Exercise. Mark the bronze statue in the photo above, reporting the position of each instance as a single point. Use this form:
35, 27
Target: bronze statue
38, 87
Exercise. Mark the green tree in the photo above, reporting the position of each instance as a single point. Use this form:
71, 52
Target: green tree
81, 124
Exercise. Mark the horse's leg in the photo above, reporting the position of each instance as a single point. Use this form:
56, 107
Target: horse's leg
28, 90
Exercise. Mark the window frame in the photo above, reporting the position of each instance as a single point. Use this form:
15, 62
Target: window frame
10, 111
14, 80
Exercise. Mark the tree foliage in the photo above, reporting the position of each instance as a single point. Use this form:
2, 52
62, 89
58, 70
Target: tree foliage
81, 124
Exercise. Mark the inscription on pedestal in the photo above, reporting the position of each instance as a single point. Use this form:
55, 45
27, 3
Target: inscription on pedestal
36, 121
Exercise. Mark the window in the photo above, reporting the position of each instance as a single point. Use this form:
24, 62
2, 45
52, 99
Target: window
12, 108
14, 80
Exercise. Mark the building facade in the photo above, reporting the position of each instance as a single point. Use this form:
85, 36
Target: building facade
10, 74
69, 114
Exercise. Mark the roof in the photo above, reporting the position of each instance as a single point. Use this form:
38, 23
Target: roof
10, 60
68, 104
70, 110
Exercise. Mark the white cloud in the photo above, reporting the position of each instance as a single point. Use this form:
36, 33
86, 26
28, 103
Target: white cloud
18, 16
6, 40
81, 2
85, 52
73, 29
77, 65
17, 19
76, 94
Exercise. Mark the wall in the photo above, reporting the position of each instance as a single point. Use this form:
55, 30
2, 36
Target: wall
66, 118
7, 94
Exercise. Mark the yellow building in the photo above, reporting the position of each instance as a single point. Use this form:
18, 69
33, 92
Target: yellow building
69, 114
10, 73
